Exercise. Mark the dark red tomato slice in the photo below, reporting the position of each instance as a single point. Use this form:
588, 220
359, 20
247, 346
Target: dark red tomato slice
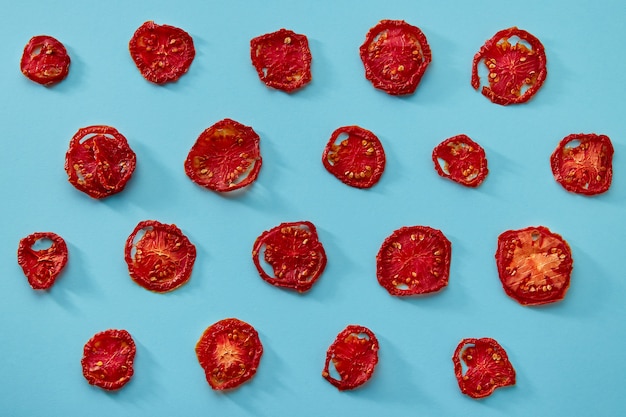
481, 366
108, 359
516, 64
45, 60
282, 59
395, 56
534, 265
583, 163
414, 260
353, 355
160, 258
355, 156
42, 266
162, 53
229, 351
295, 254
462, 160
225, 157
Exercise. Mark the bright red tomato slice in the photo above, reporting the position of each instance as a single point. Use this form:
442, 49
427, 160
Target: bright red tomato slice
45, 60
461, 160
42, 266
108, 359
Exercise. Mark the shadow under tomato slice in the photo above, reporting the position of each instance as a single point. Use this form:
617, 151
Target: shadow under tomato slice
43, 265
45, 60
461, 160
108, 359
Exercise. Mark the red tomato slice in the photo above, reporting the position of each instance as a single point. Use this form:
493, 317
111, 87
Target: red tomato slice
42, 266
583, 163
355, 156
516, 61
461, 160
162, 53
282, 59
160, 258
534, 265
485, 367
354, 355
294, 252
229, 351
108, 359
395, 56
414, 260
45, 60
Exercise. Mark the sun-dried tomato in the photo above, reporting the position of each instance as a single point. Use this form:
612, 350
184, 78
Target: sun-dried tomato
160, 257
462, 160
516, 64
45, 60
108, 359
42, 266
229, 351
534, 265
355, 156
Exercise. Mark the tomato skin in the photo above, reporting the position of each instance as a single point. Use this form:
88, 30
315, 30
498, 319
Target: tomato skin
464, 161
42, 267
45, 60
108, 359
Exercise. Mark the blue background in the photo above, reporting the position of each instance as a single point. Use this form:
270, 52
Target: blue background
569, 356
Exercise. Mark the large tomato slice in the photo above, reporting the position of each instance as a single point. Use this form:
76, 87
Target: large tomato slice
108, 359
45, 60
229, 351
461, 160
42, 266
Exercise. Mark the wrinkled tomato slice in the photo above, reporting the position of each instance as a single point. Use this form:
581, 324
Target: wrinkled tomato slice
45, 60
583, 163
295, 254
355, 156
225, 157
395, 56
160, 257
352, 357
516, 65
534, 265
162, 53
282, 59
108, 359
229, 351
42, 265
481, 366
414, 260
461, 160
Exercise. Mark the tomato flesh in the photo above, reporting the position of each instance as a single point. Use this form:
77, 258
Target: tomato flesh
42, 266
108, 359
461, 160
45, 60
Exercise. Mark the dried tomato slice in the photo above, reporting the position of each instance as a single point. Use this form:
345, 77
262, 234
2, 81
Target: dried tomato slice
516, 69
583, 163
294, 252
45, 60
162, 53
282, 59
395, 55
462, 160
229, 351
108, 359
355, 156
354, 355
160, 257
414, 260
486, 364
534, 265
225, 157
42, 266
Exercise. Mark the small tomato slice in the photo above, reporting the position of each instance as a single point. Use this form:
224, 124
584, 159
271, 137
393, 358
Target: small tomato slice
583, 163
353, 355
461, 160
534, 265
481, 366
160, 257
42, 266
45, 60
108, 359
229, 351
414, 260
355, 156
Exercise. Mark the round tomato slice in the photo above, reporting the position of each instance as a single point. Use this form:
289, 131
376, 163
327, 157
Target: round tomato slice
162, 53
108, 359
481, 366
414, 260
225, 157
395, 56
229, 351
354, 355
461, 160
294, 252
355, 156
534, 265
282, 59
42, 266
516, 64
160, 258
583, 163
45, 60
